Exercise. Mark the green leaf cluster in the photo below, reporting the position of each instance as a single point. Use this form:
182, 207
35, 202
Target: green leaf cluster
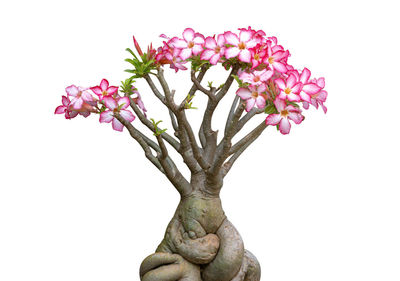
141, 66
157, 131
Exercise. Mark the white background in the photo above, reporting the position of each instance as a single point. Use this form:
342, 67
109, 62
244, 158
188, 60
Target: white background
78, 201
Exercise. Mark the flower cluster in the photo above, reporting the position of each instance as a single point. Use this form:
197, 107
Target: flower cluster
266, 79
265, 76
103, 100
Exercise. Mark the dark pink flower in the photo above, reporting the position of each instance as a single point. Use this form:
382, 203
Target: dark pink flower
104, 90
290, 89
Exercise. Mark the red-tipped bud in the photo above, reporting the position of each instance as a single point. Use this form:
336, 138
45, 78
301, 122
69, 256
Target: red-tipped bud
138, 49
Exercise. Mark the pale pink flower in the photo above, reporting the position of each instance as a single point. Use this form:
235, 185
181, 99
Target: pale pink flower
309, 88
79, 96
138, 100
104, 90
285, 113
175, 61
254, 95
256, 77
116, 107
318, 98
191, 44
215, 49
241, 45
290, 89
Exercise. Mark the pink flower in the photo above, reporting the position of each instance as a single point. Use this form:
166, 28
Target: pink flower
192, 43
309, 88
318, 98
104, 90
138, 100
65, 109
174, 59
290, 89
286, 113
275, 58
80, 96
116, 107
257, 55
241, 45
214, 49
253, 95
256, 77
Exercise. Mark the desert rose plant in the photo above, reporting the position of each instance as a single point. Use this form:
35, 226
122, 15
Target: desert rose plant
200, 243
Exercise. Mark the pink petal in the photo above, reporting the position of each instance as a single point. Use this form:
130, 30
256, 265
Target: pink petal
306, 105
106, 116
71, 114
324, 108
322, 96
215, 58
250, 104
210, 43
280, 104
305, 75
243, 93
266, 75
293, 97
305, 97
77, 103
97, 90
221, 40
281, 84
185, 54
86, 96
231, 38
84, 113
112, 90
198, 40
232, 52
245, 35
197, 49
284, 126
207, 54
261, 88
60, 109
117, 126
296, 88
311, 89
65, 101
127, 115
104, 84
188, 34
123, 102
110, 103
180, 44
245, 55
72, 90
280, 67
296, 117
273, 119
321, 82
291, 81
260, 102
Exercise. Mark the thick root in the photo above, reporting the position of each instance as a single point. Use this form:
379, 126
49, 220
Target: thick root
168, 267
250, 269
230, 255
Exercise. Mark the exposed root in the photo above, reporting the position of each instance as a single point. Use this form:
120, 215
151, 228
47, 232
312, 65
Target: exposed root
229, 258
168, 267
250, 269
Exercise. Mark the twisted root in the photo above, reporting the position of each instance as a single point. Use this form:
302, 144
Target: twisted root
219, 257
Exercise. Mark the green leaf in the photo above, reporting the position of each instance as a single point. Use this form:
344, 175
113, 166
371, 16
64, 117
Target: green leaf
270, 109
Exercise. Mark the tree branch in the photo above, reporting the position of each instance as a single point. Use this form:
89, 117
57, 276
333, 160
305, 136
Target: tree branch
241, 146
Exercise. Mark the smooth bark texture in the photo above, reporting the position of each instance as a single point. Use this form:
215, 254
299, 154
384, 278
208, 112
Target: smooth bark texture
200, 243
